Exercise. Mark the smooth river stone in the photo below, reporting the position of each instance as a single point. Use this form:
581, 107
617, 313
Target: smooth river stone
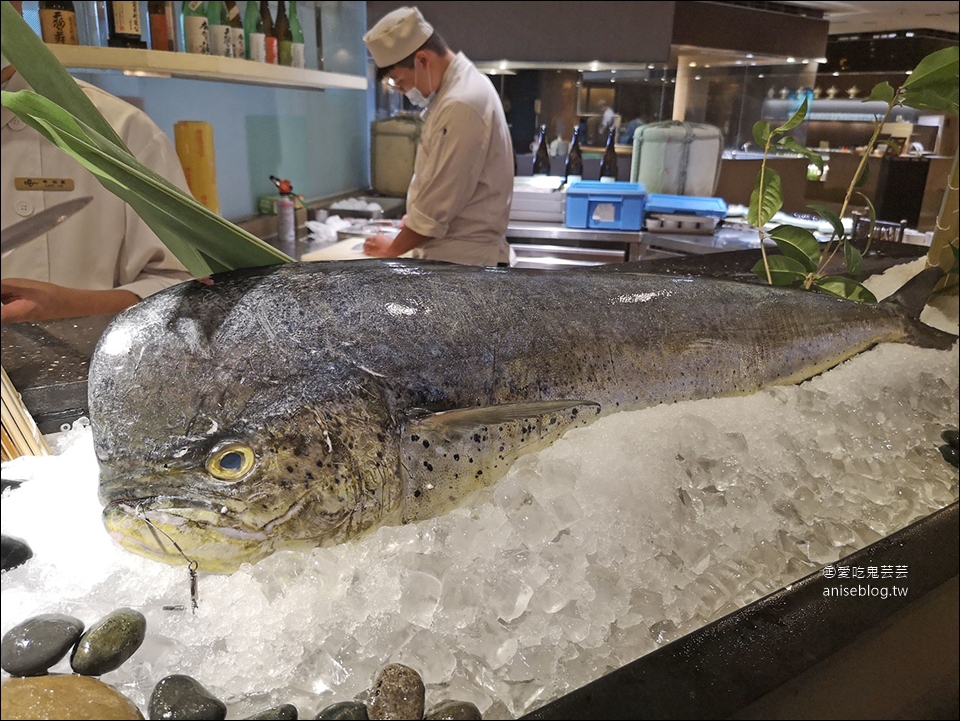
344, 711
13, 552
61, 696
453, 711
109, 642
283, 712
183, 697
398, 693
33, 646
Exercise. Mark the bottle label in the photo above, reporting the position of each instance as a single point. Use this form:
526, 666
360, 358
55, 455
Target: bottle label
571, 179
258, 48
195, 35
607, 179
285, 53
220, 41
236, 39
298, 56
272, 50
126, 18
59, 27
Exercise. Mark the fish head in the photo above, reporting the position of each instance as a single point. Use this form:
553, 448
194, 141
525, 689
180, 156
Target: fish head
216, 455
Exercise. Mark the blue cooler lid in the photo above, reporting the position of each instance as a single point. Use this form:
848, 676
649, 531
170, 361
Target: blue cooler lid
618, 187
686, 205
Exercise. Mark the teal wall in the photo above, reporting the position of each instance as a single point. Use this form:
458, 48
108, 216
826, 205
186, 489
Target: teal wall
320, 140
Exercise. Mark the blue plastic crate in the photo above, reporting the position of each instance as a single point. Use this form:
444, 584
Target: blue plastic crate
686, 205
605, 206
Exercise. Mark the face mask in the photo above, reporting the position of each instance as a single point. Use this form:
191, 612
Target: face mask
415, 96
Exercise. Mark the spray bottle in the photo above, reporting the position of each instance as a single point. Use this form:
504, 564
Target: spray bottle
286, 217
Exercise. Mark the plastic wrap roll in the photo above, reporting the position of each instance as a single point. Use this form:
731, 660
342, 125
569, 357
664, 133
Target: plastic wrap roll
194, 141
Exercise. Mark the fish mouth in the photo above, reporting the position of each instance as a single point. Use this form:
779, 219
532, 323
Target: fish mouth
180, 532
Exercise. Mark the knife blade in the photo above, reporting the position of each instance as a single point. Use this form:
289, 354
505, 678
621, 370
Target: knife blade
36, 225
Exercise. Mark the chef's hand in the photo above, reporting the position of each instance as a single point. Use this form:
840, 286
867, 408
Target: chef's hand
34, 300
379, 246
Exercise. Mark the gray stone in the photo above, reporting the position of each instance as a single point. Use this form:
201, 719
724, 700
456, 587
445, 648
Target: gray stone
453, 711
109, 642
283, 712
13, 552
183, 697
59, 696
397, 693
32, 647
344, 711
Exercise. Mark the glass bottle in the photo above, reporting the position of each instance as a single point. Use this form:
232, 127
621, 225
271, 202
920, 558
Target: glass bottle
608, 163
284, 36
541, 163
161, 26
573, 169
253, 32
269, 34
124, 25
196, 38
237, 35
218, 28
298, 59
58, 23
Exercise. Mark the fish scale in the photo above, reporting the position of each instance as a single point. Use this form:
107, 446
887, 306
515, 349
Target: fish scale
308, 404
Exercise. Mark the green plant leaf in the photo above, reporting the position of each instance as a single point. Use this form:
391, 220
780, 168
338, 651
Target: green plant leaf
59, 109
862, 179
941, 98
845, 288
203, 241
795, 119
812, 155
882, 91
46, 75
829, 216
937, 68
765, 201
783, 270
852, 258
761, 133
798, 244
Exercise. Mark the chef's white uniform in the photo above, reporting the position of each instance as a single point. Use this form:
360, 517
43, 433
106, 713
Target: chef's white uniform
105, 245
462, 185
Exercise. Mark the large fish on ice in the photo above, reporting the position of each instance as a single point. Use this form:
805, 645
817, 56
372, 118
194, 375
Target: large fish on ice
305, 404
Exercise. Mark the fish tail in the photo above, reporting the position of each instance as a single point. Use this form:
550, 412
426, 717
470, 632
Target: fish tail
911, 299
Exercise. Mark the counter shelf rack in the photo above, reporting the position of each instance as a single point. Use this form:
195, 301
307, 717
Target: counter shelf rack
163, 64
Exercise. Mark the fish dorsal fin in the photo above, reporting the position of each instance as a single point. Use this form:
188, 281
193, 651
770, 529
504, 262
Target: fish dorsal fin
468, 418
450, 454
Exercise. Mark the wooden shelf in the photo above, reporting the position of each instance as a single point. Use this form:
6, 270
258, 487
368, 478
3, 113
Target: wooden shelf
157, 63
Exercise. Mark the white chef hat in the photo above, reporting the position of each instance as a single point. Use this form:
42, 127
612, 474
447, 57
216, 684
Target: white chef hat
397, 34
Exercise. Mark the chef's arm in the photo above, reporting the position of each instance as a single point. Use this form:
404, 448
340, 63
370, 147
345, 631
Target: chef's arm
35, 300
383, 246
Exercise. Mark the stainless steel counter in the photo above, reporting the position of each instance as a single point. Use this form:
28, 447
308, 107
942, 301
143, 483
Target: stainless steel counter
541, 244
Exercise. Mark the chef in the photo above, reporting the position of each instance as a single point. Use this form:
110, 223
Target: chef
105, 258
458, 202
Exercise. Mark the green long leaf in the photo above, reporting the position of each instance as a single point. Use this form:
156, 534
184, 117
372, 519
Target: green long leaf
795, 119
933, 83
845, 288
765, 201
203, 241
783, 270
798, 244
812, 155
38, 66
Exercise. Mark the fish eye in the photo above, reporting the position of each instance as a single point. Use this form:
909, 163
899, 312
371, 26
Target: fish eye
230, 462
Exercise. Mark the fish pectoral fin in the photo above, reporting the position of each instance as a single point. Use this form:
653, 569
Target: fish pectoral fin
447, 455
467, 419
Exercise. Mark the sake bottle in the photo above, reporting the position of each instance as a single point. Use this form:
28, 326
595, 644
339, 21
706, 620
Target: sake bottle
161, 26
269, 33
541, 163
253, 33
58, 23
298, 59
218, 28
237, 35
284, 36
608, 163
573, 170
125, 25
196, 39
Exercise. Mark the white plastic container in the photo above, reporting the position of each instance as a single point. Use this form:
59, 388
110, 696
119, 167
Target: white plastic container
677, 158
393, 150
